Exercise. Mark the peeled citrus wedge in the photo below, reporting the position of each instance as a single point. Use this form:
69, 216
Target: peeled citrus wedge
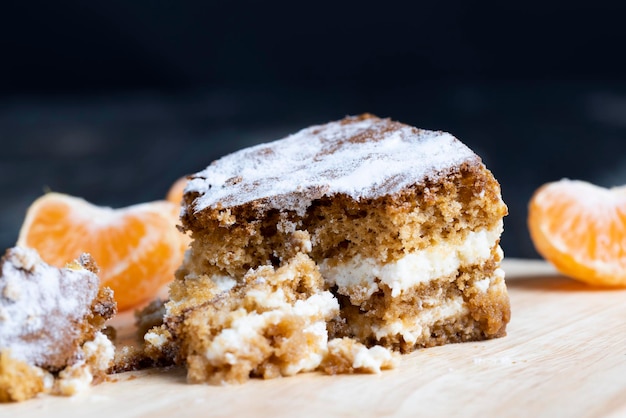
581, 229
175, 193
137, 248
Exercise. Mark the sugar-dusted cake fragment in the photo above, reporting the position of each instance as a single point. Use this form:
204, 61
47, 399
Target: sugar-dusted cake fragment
50, 325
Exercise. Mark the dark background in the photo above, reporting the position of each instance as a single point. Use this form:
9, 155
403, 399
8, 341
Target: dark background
113, 101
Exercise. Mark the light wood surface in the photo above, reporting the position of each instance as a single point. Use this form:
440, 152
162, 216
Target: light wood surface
564, 356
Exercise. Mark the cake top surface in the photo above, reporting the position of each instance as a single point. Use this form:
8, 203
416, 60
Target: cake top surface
41, 305
362, 157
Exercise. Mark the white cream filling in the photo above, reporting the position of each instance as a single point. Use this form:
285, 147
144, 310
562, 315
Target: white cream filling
316, 332
74, 379
418, 326
233, 343
224, 283
372, 359
99, 352
482, 285
417, 267
155, 339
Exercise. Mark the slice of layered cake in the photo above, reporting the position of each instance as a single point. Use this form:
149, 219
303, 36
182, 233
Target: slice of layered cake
50, 326
401, 225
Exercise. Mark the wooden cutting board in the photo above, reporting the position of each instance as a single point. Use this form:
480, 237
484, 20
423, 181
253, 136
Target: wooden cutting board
564, 356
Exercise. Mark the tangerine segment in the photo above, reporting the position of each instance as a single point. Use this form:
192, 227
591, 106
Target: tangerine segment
175, 196
175, 193
137, 248
581, 229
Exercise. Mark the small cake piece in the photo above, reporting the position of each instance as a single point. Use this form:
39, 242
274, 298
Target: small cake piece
403, 224
20, 381
149, 316
50, 325
345, 355
135, 353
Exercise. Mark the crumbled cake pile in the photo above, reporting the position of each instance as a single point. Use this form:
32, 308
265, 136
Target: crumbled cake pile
50, 326
329, 248
271, 323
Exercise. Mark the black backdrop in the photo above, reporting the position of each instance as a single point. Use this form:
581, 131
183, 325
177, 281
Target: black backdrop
112, 101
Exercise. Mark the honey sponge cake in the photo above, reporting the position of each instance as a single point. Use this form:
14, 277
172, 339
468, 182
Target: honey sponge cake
403, 225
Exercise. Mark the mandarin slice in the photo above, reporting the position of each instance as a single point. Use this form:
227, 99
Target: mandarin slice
137, 248
581, 229
175, 193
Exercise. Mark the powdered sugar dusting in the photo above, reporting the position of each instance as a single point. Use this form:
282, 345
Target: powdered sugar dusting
40, 306
362, 157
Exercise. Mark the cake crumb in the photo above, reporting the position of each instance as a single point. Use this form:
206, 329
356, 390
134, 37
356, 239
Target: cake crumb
73, 380
95, 359
346, 355
150, 316
19, 380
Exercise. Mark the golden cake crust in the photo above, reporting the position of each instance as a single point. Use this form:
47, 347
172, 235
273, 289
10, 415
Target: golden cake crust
361, 157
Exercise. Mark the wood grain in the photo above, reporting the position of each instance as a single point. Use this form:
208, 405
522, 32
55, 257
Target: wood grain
565, 355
